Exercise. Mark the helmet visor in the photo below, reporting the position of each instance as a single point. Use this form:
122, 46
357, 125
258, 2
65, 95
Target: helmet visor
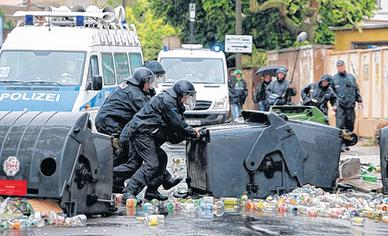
190, 101
153, 81
160, 77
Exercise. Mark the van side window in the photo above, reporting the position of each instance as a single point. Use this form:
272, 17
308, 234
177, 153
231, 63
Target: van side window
122, 67
108, 69
135, 59
93, 69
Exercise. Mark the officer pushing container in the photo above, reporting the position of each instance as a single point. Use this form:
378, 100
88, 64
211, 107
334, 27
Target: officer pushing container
346, 88
150, 128
319, 94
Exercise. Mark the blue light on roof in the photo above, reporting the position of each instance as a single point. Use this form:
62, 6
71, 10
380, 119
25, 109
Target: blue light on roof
29, 20
79, 20
165, 48
216, 48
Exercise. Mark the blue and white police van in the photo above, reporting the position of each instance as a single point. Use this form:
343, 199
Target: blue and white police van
66, 59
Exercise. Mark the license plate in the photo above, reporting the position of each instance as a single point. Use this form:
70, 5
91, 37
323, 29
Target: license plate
193, 122
13, 187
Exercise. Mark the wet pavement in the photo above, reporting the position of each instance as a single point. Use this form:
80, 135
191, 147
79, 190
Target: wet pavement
124, 222
229, 224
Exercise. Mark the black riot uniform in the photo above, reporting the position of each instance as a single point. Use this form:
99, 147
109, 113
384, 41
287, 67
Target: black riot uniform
119, 108
347, 91
316, 95
151, 127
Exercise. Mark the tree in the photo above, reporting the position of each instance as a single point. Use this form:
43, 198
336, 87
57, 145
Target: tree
316, 16
214, 19
151, 30
273, 23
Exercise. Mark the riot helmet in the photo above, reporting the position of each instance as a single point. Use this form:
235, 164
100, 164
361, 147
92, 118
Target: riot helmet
141, 76
186, 93
157, 69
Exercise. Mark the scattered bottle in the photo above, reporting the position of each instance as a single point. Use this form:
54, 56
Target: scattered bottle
357, 221
131, 202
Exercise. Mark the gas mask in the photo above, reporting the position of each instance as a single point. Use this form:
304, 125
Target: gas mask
189, 103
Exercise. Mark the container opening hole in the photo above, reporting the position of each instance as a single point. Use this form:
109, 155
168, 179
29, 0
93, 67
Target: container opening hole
48, 166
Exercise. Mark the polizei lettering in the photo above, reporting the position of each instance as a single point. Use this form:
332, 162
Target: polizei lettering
45, 97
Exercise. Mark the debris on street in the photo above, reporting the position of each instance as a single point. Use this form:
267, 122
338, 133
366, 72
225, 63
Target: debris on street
19, 213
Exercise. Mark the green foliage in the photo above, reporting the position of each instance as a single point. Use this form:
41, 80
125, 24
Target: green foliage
273, 23
316, 16
7, 24
151, 30
214, 19
257, 58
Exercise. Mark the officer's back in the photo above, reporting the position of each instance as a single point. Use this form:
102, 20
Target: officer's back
161, 112
120, 102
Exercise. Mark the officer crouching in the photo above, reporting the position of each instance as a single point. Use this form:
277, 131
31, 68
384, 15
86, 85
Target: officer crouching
150, 128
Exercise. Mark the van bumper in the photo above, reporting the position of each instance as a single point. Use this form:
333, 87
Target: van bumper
202, 119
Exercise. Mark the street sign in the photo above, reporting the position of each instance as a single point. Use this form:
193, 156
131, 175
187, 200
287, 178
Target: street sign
192, 11
238, 43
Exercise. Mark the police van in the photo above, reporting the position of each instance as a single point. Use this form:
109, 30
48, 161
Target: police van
207, 70
66, 59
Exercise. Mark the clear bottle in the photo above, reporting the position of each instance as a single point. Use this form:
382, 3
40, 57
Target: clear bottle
25, 224
219, 208
78, 220
148, 208
52, 217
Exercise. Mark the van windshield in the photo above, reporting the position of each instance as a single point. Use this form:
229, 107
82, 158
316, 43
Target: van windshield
196, 70
42, 67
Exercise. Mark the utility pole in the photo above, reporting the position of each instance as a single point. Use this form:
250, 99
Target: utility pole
238, 31
124, 2
192, 20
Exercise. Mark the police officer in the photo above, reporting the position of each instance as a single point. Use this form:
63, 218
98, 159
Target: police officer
279, 91
150, 127
260, 94
346, 88
119, 108
319, 94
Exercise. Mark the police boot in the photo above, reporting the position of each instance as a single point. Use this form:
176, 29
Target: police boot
172, 182
117, 189
154, 194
